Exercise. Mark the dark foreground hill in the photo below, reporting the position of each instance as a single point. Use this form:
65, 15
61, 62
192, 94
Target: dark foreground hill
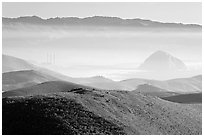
53, 115
185, 98
85, 111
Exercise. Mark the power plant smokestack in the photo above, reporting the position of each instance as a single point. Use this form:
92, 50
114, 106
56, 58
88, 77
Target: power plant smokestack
50, 58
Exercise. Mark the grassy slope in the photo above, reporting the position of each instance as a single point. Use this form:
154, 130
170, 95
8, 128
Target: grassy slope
52, 115
99, 112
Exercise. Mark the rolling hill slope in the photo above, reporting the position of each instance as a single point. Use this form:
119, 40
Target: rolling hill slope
154, 91
99, 112
43, 88
19, 79
180, 85
100, 82
10, 63
21, 74
185, 98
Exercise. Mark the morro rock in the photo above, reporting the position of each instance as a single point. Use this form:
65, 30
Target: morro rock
162, 61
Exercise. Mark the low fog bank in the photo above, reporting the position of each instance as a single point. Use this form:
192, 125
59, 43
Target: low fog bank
113, 52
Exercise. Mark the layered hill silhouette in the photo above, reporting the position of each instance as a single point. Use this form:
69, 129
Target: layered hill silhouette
23, 74
99, 112
44, 88
25, 78
45, 102
191, 98
154, 91
10, 63
96, 21
162, 61
180, 85
185, 98
20, 73
101, 83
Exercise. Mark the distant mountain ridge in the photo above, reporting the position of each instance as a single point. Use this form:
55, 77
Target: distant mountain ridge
96, 21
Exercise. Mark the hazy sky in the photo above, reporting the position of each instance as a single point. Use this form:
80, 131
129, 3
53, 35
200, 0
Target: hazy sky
166, 12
